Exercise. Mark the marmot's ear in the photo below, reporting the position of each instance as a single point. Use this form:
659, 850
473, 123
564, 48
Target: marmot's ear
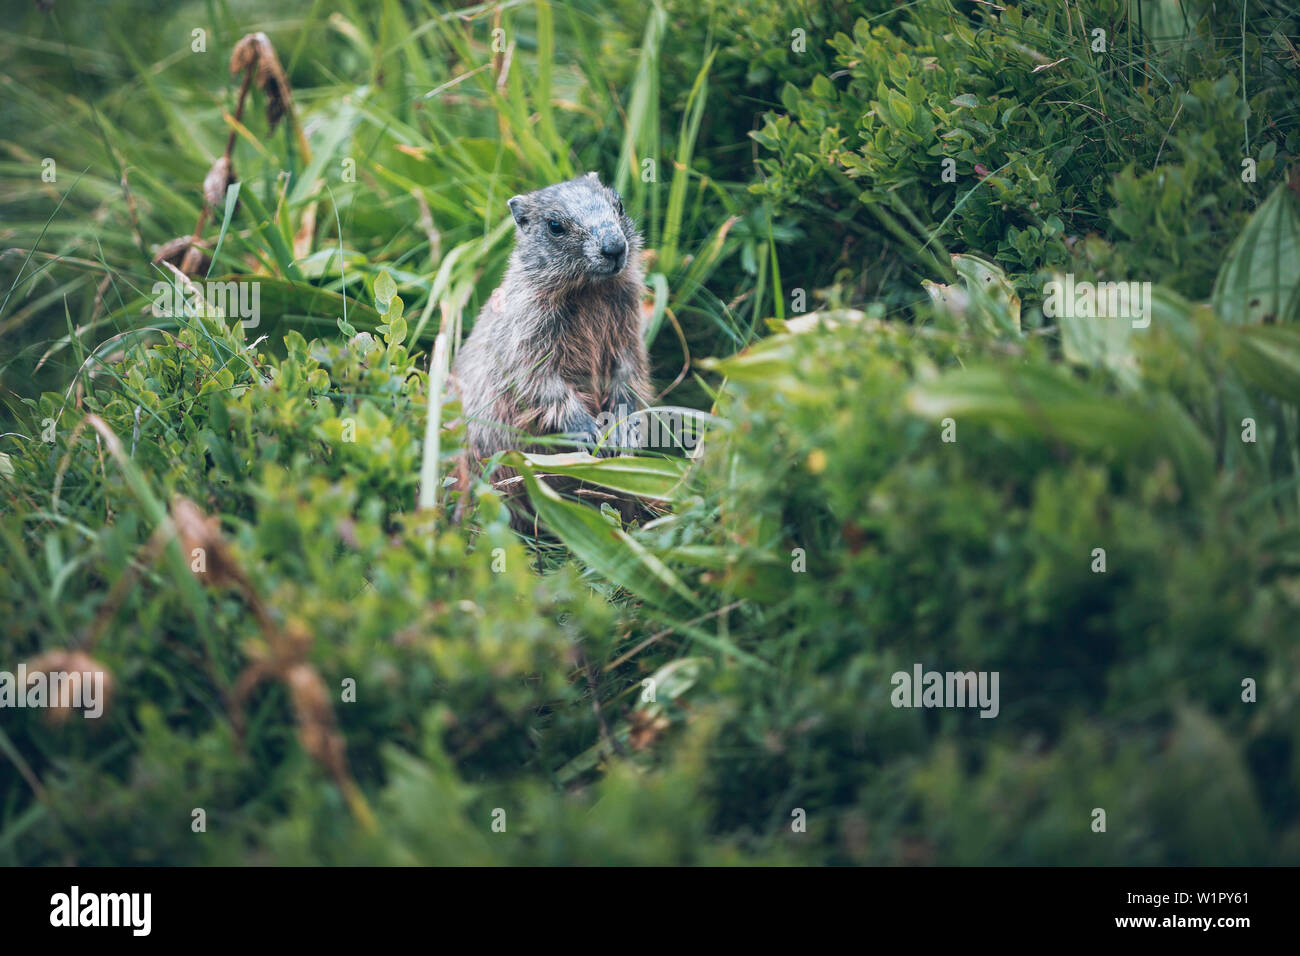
594, 177
516, 204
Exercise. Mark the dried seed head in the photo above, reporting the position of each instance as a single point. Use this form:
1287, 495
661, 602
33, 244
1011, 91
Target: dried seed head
217, 181
245, 52
192, 264
183, 251
171, 250
316, 731
202, 534
275, 84
646, 728
256, 50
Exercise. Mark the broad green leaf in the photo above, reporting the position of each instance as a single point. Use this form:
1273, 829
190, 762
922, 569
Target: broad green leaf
1099, 342
1166, 23
674, 679
809, 321
1260, 280
1269, 358
1042, 401
901, 108
989, 290
385, 289
771, 362
332, 134
611, 552
633, 475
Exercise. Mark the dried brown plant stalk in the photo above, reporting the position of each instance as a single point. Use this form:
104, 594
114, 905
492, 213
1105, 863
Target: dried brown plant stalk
286, 658
256, 58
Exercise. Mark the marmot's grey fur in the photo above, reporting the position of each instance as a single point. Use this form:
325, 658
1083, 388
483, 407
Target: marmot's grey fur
558, 348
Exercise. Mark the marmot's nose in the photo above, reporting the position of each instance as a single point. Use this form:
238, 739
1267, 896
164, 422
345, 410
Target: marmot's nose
613, 248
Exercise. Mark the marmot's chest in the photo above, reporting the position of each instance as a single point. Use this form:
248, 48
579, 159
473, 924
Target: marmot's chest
592, 344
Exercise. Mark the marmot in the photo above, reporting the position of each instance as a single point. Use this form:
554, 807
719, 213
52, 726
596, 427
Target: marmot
558, 348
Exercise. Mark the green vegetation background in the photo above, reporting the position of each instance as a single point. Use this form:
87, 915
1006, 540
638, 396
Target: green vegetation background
915, 173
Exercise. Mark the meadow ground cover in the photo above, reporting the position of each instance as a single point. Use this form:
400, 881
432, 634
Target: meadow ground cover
975, 340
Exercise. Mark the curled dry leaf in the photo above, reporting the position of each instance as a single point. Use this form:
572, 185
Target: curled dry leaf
244, 53
200, 535
184, 250
646, 728
171, 250
74, 667
217, 181
316, 731
285, 655
192, 264
255, 50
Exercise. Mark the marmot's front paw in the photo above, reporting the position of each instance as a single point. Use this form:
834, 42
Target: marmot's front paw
622, 428
607, 434
613, 435
586, 432
626, 435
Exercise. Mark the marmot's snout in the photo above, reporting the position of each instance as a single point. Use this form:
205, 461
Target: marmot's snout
613, 253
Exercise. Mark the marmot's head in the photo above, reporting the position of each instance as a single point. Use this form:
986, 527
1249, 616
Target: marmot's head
574, 231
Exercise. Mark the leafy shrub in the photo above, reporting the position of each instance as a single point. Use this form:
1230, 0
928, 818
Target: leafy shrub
1122, 687
1004, 132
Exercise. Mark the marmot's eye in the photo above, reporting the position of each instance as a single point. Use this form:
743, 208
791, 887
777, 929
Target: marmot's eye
618, 204
556, 227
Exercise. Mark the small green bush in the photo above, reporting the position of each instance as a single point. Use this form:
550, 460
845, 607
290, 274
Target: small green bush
1008, 133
